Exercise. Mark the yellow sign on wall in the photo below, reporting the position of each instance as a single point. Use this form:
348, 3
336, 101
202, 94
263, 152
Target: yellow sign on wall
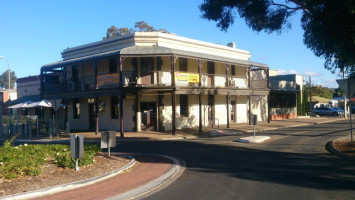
187, 77
108, 79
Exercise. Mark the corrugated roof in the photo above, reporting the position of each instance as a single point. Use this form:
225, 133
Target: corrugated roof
154, 51
24, 99
80, 59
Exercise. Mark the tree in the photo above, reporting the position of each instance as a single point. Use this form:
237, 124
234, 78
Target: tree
329, 25
4, 79
140, 26
143, 27
324, 92
338, 92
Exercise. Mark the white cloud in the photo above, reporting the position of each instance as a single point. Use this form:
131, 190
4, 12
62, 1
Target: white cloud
307, 72
292, 71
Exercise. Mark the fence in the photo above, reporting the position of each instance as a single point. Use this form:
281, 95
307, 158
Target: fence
28, 126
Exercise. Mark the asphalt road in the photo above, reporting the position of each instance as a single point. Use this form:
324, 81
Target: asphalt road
293, 166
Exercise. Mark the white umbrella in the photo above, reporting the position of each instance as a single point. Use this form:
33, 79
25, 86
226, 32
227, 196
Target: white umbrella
20, 105
42, 103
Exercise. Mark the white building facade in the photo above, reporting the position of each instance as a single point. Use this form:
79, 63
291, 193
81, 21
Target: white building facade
156, 81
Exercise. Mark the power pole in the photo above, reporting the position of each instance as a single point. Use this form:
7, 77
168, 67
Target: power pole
310, 94
345, 103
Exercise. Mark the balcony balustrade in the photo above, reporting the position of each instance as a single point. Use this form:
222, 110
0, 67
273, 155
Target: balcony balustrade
154, 78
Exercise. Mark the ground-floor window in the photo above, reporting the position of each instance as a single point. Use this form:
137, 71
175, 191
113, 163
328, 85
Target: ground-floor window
184, 105
283, 100
114, 107
76, 109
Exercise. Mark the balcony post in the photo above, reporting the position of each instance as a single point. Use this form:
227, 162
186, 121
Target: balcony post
249, 86
227, 97
200, 63
41, 83
227, 75
96, 101
268, 96
173, 95
120, 61
64, 69
249, 111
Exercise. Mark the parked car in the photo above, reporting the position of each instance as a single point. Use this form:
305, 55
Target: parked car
339, 109
327, 111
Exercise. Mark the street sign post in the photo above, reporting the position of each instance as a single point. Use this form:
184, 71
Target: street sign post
254, 120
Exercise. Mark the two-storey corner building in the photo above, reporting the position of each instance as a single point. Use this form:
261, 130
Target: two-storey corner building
156, 81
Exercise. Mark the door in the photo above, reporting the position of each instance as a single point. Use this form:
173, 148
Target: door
92, 117
147, 71
210, 74
148, 116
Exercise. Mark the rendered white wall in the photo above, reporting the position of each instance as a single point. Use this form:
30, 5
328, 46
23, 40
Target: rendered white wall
220, 109
259, 107
242, 109
192, 120
105, 121
166, 115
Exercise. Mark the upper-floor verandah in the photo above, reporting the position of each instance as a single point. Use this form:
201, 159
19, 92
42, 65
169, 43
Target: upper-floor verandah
146, 68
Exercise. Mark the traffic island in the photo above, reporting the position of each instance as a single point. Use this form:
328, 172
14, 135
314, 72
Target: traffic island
254, 139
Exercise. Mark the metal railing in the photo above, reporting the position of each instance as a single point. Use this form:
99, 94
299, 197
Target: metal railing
28, 126
150, 78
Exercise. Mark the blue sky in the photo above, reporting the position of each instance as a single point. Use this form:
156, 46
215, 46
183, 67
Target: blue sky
34, 33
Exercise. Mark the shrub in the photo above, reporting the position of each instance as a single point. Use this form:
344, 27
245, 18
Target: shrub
16, 161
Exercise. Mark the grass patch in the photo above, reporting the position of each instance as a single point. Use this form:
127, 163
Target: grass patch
17, 161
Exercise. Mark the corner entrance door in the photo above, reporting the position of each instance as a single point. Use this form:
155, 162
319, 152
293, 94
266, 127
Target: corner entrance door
148, 116
92, 117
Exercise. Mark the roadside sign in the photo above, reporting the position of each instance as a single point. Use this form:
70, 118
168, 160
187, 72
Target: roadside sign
108, 140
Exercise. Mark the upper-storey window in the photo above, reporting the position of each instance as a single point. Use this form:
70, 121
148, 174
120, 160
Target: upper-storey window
233, 70
75, 72
159, 63
147, 65
183, 64
210, 67
112, 66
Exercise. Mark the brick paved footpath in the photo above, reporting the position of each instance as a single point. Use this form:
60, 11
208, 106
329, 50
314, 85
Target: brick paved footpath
146, 169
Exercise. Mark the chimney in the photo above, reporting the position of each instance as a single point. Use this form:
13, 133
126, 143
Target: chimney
232, 45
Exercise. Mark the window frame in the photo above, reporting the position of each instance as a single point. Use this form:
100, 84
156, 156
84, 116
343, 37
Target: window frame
114, 108
183, 66
76, 108
184, 105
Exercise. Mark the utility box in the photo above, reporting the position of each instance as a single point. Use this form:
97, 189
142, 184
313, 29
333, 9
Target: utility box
254, 119
77, 146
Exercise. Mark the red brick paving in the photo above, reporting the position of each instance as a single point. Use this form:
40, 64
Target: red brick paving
148, 168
